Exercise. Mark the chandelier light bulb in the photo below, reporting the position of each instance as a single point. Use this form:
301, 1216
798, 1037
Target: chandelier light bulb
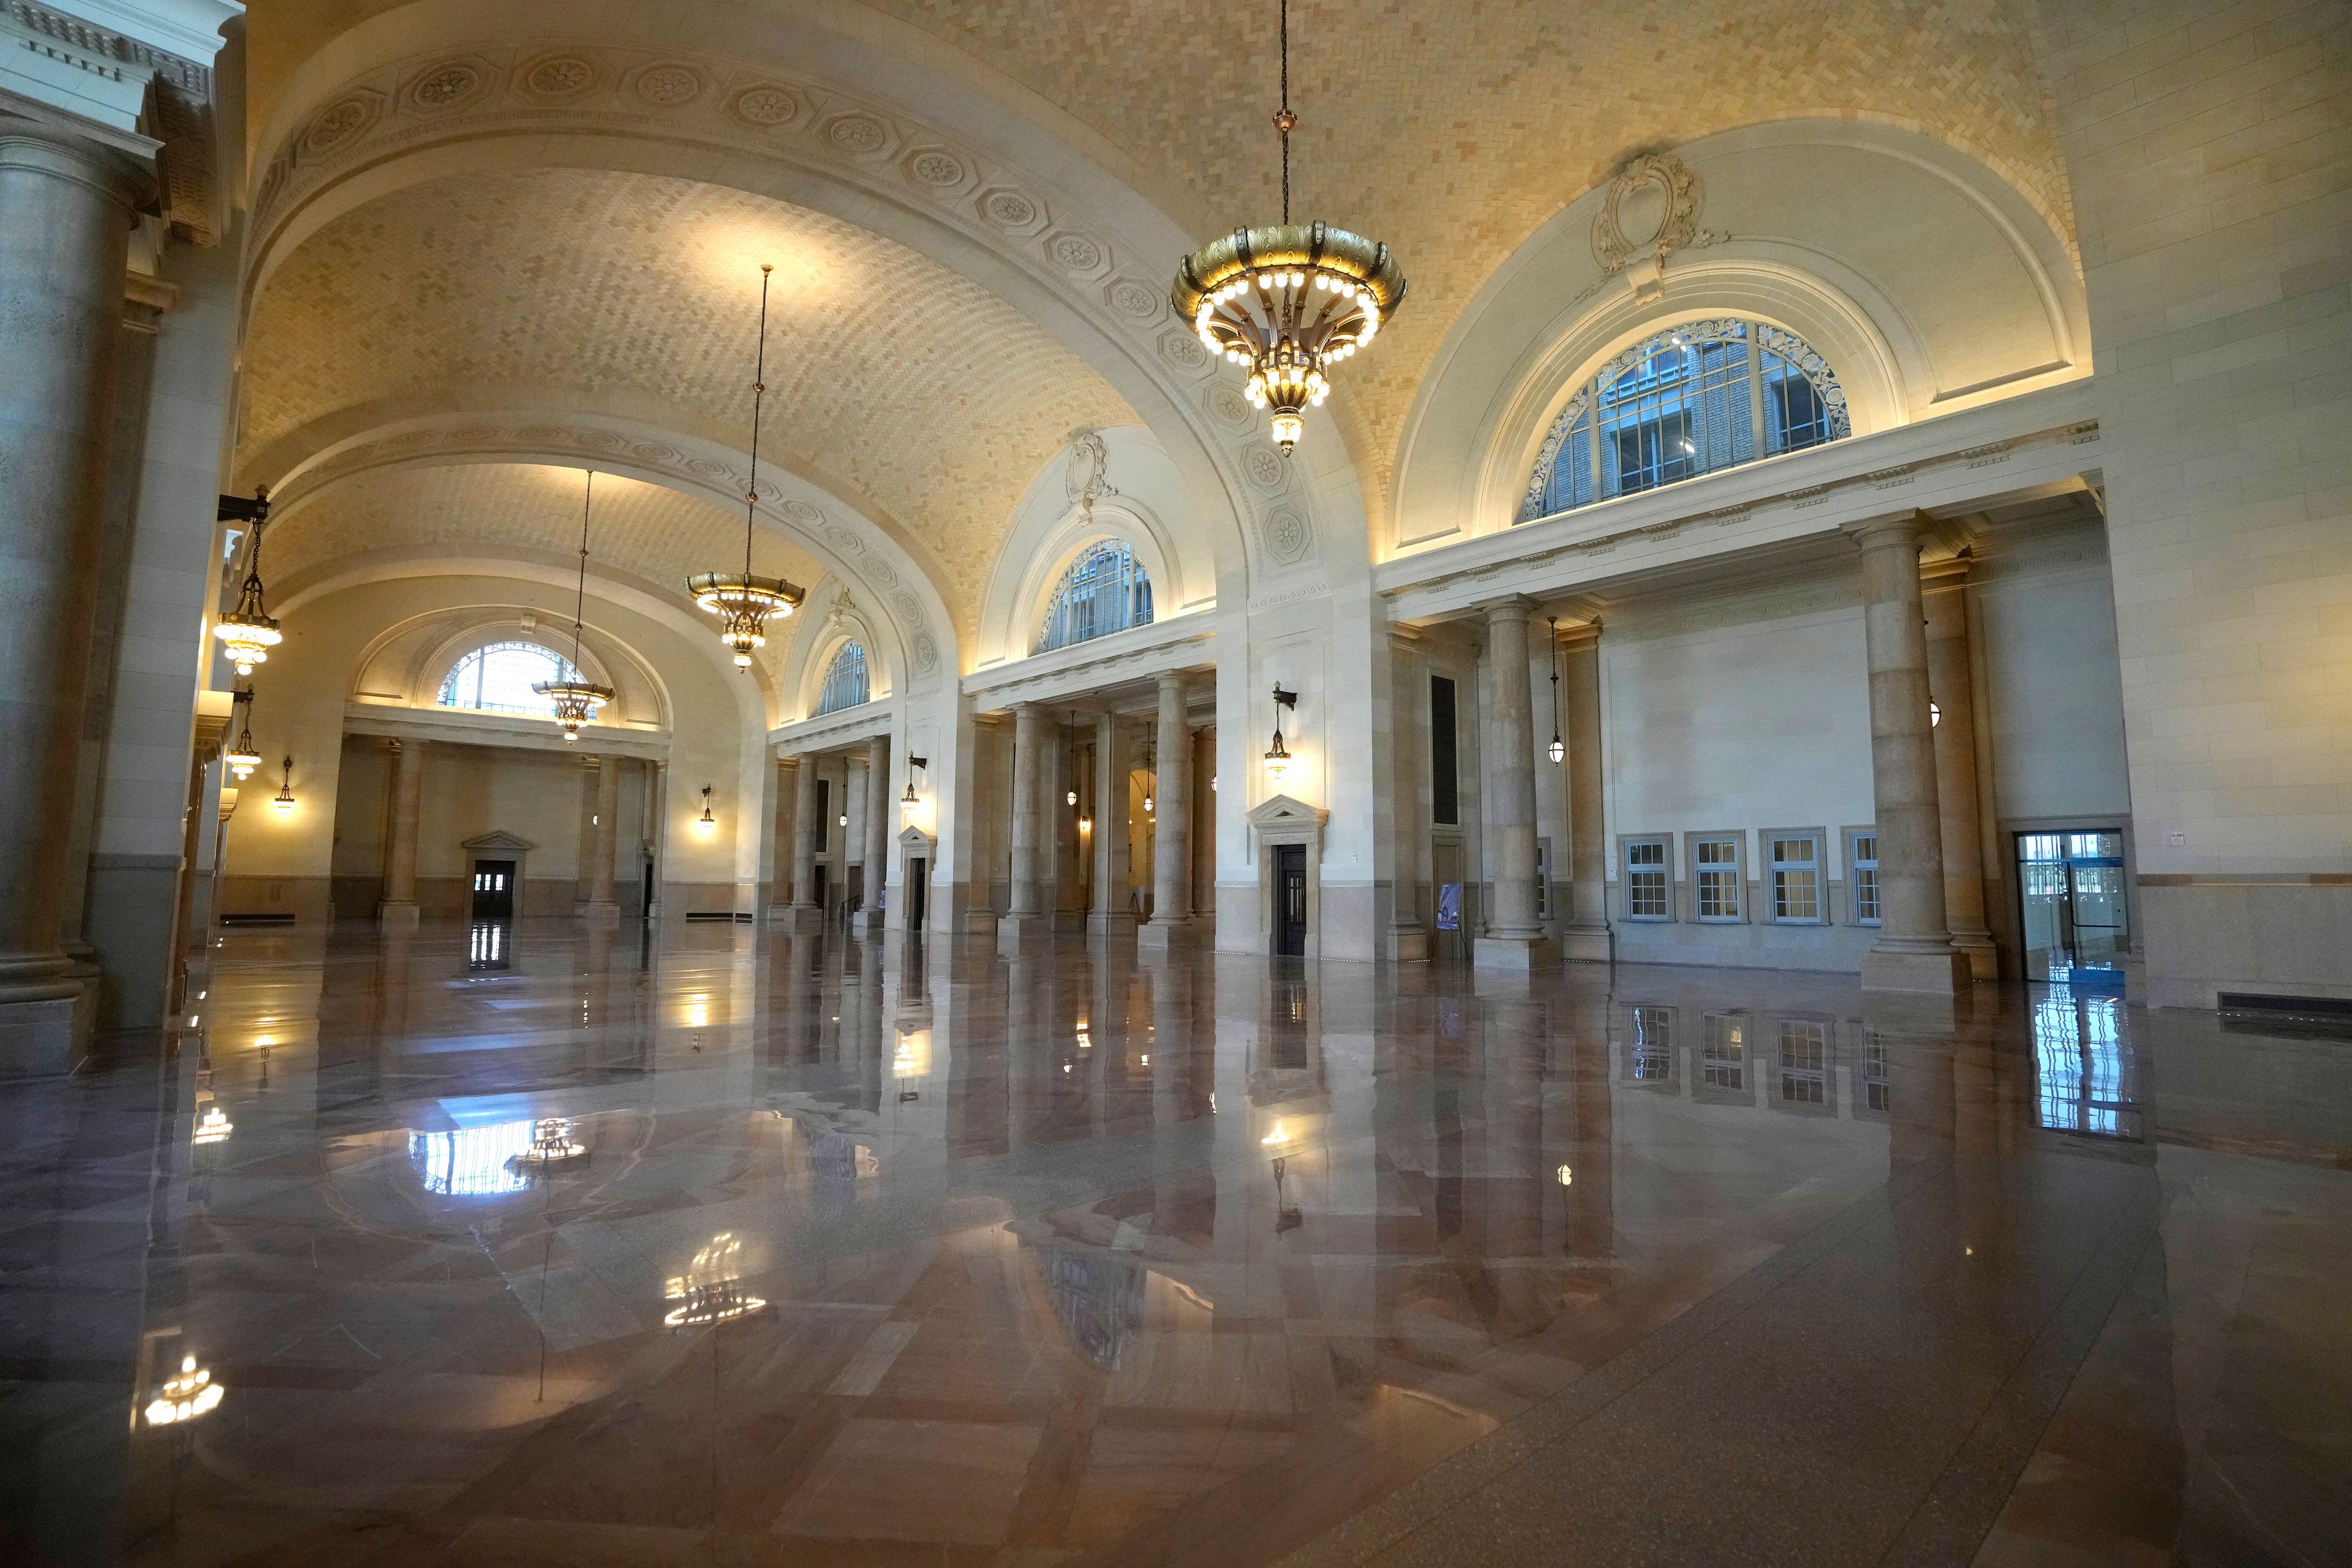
191, 1393
242, 759
1556, 749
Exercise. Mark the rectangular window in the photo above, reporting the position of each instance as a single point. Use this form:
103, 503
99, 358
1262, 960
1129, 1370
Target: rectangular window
1543, 878
1797, 880
1866, 879
1804, 1061
1715, 862
823, 810
1876, 1092
1646, 894
1444, 781
1723, 1055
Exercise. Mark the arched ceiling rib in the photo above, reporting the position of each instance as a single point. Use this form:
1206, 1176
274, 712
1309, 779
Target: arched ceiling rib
1454, 133
907, 380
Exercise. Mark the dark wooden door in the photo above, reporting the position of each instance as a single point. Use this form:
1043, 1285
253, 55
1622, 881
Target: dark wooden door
1290, 901
918, 887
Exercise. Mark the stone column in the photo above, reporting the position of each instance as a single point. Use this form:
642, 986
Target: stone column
1171, 832
1514, 938
600, 907
804, 915
880, 809
1914, 951
1112, 912
1408, 941
399, 905
786, 829
63, 242
1955, 737
1030, 920
1585, 934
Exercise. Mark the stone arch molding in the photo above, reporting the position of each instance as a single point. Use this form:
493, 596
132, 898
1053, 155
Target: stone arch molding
348, 130
838, 619
1756, 222
844, 542
412, 658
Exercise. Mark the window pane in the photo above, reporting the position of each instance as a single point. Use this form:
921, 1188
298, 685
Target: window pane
1105, 591
844, 681
498, 680
1718, 878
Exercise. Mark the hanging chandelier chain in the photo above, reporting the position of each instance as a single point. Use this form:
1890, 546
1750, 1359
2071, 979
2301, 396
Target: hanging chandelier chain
759, 396
1284, 121
580, 602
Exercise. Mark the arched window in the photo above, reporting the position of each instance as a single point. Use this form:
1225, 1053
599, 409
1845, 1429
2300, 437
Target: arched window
1104, 590
1698, 397
844, 681
497, 680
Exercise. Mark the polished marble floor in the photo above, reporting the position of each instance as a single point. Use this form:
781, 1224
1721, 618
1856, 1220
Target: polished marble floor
877, 1255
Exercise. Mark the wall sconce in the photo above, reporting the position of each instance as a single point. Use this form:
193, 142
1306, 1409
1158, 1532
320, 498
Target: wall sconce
1555, 751
1277, 756
285, 800
705, 822
1086, 825
914, 765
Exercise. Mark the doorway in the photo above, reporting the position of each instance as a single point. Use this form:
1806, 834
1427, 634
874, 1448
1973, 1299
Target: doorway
494, 889
1290, 901
918, 887
2075, 917
823, 909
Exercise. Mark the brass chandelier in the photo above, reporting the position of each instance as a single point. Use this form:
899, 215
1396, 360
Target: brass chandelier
577, 700
745, 604
1289, 301
247, 633
242, 758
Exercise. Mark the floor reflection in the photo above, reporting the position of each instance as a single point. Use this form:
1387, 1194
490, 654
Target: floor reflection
860, 1252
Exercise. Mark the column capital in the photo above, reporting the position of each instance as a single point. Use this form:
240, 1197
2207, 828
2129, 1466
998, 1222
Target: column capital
1176, 680
61, 152
1577, 638
1510, 606
1885, 533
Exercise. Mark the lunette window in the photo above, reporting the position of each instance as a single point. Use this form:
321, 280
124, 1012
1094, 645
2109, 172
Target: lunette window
1106, 590
1647, 897
1715, 865
1698, 397
1866, 879
846, 684
498, 678
1796, 878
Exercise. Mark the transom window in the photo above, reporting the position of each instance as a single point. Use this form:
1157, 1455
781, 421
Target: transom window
1797, 880
498, 678
844, 681
1106, 590
1704, 395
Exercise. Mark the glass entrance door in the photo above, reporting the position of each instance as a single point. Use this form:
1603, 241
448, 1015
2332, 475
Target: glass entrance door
2077, 920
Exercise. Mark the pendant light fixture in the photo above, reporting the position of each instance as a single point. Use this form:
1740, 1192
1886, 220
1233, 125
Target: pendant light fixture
1277, 756
247, 633
1556, 749
577, 700
743, 602
241, 758
285, 800
1289, 300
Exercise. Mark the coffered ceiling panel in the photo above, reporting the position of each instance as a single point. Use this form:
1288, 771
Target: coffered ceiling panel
561, 289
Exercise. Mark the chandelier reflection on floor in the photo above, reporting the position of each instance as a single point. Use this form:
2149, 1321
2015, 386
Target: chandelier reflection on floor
709, 1291
184, 1396
552, 1143
1289, 301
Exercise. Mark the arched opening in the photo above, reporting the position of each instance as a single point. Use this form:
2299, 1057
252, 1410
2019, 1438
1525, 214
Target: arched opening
499, 678
1700, 396
1105, 589
845, 681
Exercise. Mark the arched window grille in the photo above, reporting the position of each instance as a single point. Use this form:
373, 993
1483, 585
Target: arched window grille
844, 681
1694, 398
497, 680
1104, 590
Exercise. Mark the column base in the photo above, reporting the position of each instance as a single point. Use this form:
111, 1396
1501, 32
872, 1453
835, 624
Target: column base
1408, 945
1513, 954
800, 917
980, 923
1110, 922
1165, 936
1588, 944
1024, 933
1928, 973
605, 913
1975, 946
399, 912
44, 1038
